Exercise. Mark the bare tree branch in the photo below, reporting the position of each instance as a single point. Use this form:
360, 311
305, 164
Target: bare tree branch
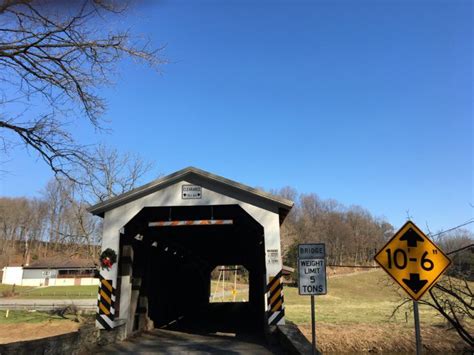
112, 174
56, 58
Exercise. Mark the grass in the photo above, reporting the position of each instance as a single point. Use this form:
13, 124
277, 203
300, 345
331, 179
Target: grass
6, 288
61, 292
28, 317
359, 298
242, 291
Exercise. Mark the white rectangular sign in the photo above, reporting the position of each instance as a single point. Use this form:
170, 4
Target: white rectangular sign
273, 256
312, 269
189, 192
311, 251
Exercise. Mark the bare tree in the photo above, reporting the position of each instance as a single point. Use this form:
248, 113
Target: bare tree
113, 174
351, 234
22, 227
70, 222
59, 222
453, 299
56, 55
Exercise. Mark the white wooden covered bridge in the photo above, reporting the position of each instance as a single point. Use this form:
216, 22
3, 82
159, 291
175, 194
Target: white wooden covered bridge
170, 234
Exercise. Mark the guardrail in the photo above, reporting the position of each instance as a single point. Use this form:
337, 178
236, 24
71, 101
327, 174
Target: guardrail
45, 307
32, 293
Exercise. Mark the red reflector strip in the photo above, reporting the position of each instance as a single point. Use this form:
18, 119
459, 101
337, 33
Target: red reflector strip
202, 222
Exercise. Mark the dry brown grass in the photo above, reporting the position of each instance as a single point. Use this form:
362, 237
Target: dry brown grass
355, 316
10, 333
393, 338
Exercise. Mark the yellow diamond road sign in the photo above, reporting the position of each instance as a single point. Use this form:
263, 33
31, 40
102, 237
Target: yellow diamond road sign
412, 260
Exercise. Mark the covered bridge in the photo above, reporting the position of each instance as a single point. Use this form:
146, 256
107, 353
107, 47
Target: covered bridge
170, 234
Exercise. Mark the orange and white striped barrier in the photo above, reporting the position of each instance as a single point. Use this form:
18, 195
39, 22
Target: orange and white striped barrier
202, 222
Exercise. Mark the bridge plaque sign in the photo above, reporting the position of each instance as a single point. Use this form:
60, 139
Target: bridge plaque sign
312, 277
312, 269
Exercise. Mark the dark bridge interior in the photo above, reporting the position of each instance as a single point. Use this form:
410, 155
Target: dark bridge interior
175, 262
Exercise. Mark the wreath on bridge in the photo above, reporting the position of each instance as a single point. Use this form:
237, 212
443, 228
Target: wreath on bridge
108, 258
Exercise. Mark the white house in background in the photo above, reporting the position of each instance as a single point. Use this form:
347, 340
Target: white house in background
52, 272
12, 275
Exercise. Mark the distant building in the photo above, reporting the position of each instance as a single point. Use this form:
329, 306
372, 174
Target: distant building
12, 275
52, 272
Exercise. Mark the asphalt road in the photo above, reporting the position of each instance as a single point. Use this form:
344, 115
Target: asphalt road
172, 342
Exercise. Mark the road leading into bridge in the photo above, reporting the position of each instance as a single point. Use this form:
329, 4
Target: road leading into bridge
172, 342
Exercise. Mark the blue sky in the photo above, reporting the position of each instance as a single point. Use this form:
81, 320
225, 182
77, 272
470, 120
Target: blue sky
365, 102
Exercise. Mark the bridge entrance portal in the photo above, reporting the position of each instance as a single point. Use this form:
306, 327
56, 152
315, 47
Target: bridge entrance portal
170, 235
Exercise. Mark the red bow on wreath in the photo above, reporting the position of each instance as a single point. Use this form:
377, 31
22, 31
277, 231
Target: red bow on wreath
107, 262
108, 258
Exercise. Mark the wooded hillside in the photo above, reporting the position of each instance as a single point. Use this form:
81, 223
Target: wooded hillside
57, 223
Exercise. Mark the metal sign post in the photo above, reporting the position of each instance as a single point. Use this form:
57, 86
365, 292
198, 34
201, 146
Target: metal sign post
417, 328
415, 263
312, 277
313, 326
